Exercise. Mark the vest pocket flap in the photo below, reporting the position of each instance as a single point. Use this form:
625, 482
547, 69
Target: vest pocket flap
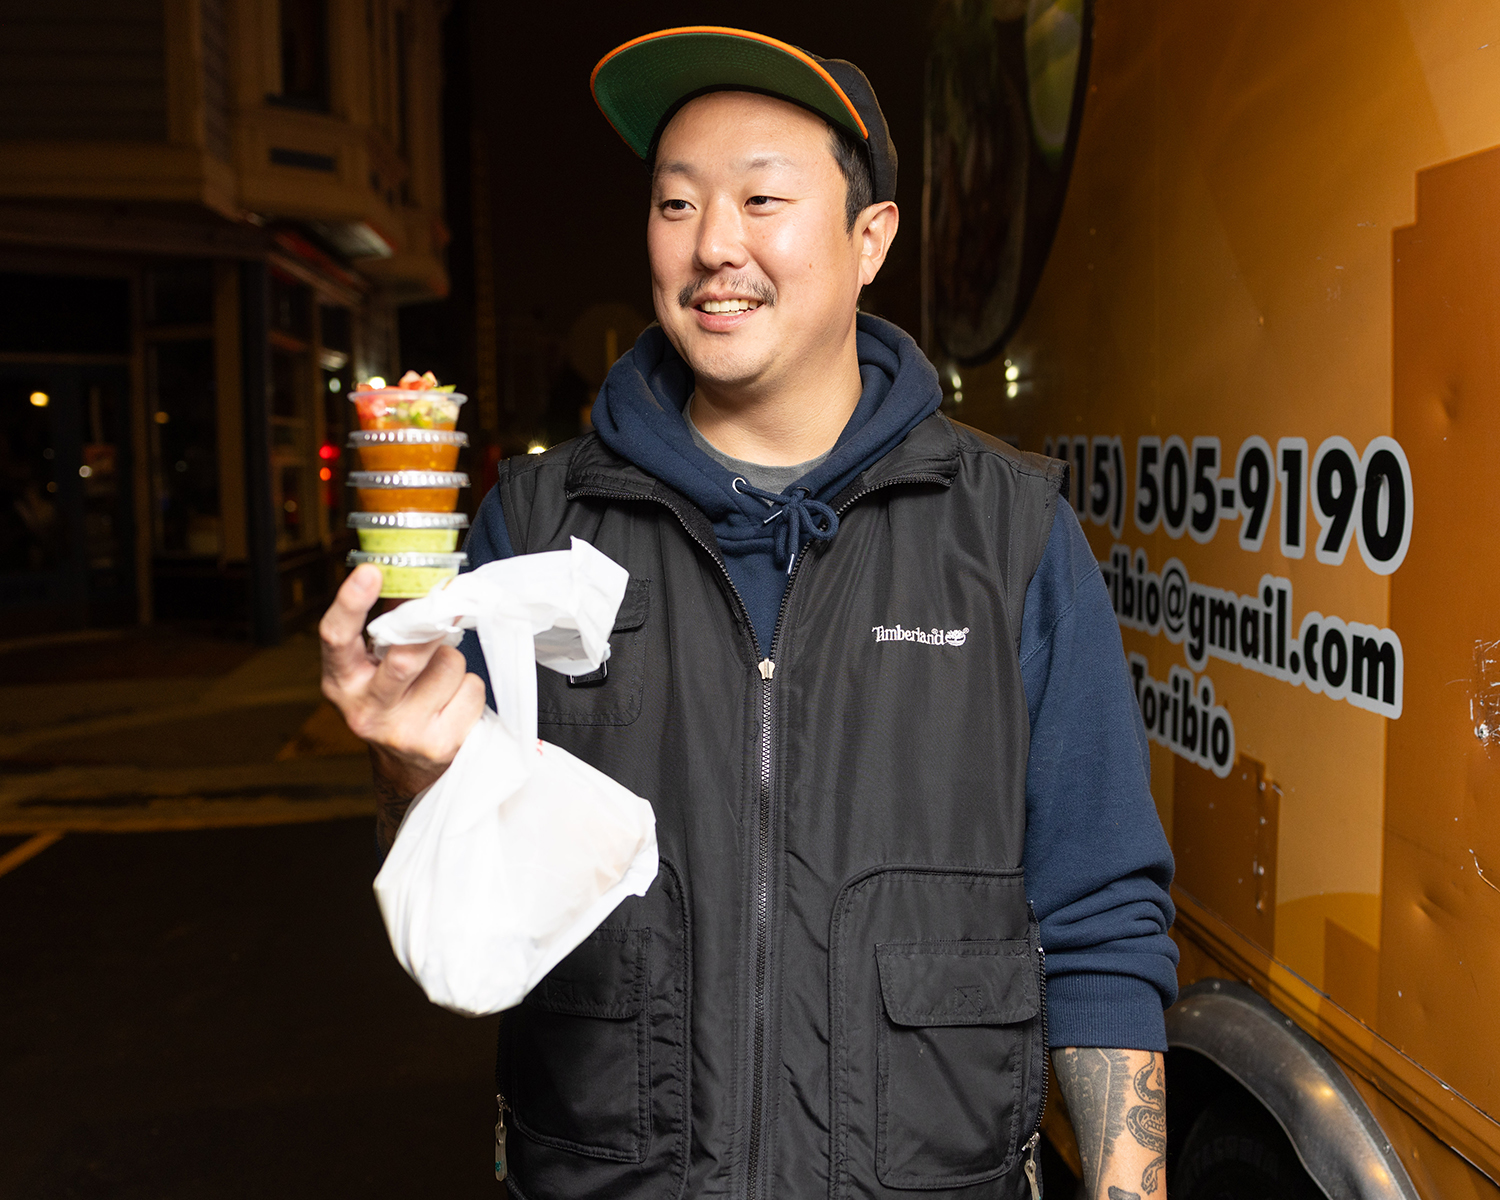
632, 611
605, 977
980, 982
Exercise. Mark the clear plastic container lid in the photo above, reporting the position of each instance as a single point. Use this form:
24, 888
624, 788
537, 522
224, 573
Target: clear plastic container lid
408, 479
408, 520
407, 558
401, 393
360, 438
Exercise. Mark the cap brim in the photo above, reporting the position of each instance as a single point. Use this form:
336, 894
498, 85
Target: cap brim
636, 85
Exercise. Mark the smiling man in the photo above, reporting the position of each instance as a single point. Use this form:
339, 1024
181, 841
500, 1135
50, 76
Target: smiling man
868, 675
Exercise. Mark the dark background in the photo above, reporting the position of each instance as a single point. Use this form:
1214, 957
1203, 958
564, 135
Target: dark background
217, 1013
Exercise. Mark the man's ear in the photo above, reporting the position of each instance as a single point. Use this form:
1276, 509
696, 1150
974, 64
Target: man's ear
875, 231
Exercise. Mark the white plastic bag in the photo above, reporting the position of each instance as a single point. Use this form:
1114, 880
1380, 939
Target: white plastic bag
520, 850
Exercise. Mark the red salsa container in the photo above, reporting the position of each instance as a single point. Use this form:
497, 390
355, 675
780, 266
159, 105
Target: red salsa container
406, 408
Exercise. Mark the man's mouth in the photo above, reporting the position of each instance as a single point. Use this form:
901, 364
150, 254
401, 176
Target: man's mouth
728, 306
727, 297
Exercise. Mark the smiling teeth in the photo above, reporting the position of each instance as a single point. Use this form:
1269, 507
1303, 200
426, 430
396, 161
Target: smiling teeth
729, 306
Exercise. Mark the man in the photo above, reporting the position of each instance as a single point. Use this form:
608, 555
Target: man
868, 675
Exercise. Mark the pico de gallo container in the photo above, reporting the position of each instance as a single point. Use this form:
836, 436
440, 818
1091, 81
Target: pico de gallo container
407, 532
406, 408
408, 449
407, 491
409, 575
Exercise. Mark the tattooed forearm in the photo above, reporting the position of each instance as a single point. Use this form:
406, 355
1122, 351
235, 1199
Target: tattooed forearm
1147, 1121
391, 803
1094, 1085
1117, 1102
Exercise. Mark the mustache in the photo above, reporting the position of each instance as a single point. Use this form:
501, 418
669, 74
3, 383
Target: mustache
740, 284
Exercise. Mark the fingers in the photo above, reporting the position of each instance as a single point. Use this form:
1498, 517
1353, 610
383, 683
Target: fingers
465, 707
458, 704
341, 630
403, 706
439, 680
400, 670
458, 715
416, 705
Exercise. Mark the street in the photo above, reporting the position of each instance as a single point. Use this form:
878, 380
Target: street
199, 996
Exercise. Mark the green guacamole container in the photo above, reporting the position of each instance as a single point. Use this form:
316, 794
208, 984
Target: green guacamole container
406, 532
410, 575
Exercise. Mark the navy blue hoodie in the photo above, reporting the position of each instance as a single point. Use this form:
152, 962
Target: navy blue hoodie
1098, 866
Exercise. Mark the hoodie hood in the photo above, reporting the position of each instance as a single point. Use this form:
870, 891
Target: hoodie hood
638, 414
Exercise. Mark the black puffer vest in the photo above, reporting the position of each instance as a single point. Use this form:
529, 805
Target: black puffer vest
834, 988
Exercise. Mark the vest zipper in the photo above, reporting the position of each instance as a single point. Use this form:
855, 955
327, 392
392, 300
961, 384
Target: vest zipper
712, 551
767, 666
502, 1160
1032, 1144
919, 477
1046, 1051
767, 669
763, 893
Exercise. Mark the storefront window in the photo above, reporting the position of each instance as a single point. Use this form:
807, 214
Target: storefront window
32, 532
292, 515
184, 445
103, 475
66, 496
293, 433
179, 294
337, 375
182, 409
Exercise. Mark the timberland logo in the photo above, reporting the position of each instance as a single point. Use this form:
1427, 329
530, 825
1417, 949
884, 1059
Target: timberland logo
927, 637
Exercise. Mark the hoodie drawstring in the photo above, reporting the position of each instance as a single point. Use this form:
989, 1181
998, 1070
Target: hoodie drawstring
800, 517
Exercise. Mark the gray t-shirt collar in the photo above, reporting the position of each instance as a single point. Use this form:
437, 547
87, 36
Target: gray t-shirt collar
770, 479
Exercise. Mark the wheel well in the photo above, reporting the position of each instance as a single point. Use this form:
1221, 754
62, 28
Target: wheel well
1194, 1085
1227, 1041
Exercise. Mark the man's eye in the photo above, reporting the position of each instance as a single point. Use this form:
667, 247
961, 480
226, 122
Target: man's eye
759, 201
674, 206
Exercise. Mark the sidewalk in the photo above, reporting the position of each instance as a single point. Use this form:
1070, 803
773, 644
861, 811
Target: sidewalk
157, 729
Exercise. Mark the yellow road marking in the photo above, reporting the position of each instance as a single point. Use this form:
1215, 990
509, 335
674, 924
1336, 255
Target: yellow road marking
28, 849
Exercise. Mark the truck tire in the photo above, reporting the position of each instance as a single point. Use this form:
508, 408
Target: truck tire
1236, 1151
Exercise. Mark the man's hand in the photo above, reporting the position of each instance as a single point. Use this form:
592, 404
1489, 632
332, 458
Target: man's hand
414, 708
1117, 1101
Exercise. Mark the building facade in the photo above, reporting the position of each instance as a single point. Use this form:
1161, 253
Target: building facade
210, 213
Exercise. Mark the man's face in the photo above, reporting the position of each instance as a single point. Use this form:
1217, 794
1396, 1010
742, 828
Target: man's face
753, 273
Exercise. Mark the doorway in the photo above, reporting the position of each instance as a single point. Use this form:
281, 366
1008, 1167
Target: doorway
66, 514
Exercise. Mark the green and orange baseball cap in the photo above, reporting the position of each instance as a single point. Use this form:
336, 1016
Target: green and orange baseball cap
639, 87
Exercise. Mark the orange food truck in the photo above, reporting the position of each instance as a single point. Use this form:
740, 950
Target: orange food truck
1239, 265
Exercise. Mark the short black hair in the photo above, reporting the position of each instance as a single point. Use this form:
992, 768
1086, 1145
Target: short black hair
854, 164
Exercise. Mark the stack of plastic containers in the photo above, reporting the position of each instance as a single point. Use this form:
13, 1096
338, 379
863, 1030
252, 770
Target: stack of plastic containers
407, 488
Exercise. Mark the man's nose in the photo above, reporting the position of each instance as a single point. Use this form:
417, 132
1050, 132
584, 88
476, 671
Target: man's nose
721, 240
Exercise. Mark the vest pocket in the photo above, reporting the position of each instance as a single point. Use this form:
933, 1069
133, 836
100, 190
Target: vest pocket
581, 1051
951, 1059
936, 1046
612, 695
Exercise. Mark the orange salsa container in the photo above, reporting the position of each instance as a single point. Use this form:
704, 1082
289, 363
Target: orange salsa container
408, 449
407, 491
